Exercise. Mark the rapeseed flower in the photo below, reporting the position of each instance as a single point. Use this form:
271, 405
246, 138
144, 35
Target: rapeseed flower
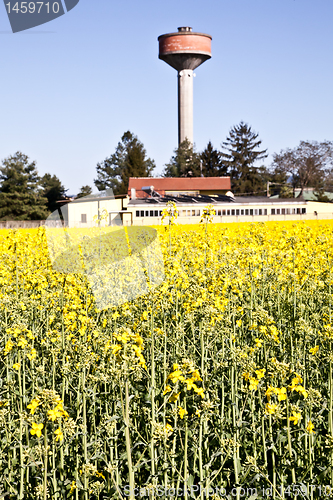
281, 393
310, 427
59, 435
253, 384
296, 417
33, 406
36, 429
174, 397
270, 408
182, 412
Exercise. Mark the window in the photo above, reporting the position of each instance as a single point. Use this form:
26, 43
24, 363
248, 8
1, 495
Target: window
228, 212
251, 211
151, 213
155, 213
303, 210
192, 212
237, 212
283, 211
247, 211
137, 213
273, 211
298, 210
160, 213
260, 211
223, 212
255, 211
265, 211
84, 218
197, 213
142, 213
147, 213
232, 212
277, 211
242, 212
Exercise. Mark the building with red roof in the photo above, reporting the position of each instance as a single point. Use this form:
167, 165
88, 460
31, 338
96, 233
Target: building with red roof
177, 186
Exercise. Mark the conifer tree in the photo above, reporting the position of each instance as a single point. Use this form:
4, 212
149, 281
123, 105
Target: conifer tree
184, 163
21, 195
53, 190
129, 160
242, 152
84, 191
211, 162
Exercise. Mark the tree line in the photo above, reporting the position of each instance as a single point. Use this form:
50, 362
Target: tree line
308, 165
24, 195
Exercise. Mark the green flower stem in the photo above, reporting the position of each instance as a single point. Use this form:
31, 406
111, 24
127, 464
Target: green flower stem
152, 382
272, 452
45, 492
128, 443
164, 407
264, 441
21, 495
54, 472
185, 454
293, 474
84, 431
330, 375
234, 421
201, 471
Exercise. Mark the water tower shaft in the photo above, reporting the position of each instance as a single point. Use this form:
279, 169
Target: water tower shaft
185, 51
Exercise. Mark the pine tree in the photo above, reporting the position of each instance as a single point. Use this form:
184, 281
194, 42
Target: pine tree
53, 190
241, 147
211, 162
20, 190
184, 163
129, 160
84, 191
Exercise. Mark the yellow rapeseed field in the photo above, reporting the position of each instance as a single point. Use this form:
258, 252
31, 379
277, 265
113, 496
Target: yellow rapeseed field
220, 377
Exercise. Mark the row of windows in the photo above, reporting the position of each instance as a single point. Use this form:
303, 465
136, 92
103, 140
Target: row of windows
158, 213
148, 213
232, 212
243, 211
283, 211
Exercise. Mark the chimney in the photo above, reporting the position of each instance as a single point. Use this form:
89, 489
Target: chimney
133, 194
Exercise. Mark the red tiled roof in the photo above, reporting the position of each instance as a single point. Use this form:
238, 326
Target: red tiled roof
162, 184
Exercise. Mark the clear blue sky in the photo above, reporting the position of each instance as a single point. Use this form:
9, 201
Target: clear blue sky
72, 87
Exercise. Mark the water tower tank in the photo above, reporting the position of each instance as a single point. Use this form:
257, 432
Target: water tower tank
185, 51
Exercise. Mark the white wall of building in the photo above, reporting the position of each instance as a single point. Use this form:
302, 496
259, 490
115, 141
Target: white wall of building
78, 211
191, 214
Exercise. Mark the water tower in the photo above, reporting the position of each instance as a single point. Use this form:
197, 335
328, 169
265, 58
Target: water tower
185, 51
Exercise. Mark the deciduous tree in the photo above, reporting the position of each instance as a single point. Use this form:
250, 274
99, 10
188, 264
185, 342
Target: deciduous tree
307, 165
